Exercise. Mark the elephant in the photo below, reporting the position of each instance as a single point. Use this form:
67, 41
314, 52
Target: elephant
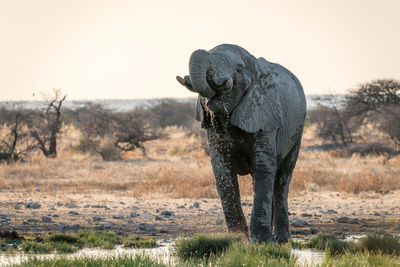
254, 112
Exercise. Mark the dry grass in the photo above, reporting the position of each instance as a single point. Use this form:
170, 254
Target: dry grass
177, 167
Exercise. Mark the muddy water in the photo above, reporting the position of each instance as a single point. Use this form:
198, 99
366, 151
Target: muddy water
162, 254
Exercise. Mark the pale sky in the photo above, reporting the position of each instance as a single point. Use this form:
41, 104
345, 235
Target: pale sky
134, 49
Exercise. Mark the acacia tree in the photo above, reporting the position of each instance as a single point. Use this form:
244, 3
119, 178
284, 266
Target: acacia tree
133, 128
332, 122
46, 125
378, 102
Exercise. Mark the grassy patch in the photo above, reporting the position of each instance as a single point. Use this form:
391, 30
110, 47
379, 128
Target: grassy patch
381, 243
30, 246
120, 261
246, 254
69, 243
204, 246
330, 243
360, 259
139, 242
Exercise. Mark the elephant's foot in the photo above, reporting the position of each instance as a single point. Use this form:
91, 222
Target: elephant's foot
262, 237
282, 237
238, 226
261, 233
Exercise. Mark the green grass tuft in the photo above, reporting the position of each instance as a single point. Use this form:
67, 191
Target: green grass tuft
361, 259
140, 242
246, 254
34, 247
381, 243
328, 242
204, 246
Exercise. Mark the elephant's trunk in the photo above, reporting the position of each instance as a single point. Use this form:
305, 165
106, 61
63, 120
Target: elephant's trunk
200, 62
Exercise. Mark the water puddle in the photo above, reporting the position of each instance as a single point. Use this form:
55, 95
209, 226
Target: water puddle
161, 254
308, 257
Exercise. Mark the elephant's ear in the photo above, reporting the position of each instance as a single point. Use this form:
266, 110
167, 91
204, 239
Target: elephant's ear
260, 107
201, 115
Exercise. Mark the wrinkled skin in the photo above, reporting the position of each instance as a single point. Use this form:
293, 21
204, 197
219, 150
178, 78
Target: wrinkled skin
253, 111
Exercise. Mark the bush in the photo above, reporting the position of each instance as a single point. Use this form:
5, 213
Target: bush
108, 151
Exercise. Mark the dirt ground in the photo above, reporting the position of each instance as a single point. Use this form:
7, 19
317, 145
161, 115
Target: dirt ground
171, 192
169, 218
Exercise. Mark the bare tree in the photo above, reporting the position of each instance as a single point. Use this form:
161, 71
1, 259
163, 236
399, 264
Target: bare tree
13, 132
95, 122
133, 128
46, 125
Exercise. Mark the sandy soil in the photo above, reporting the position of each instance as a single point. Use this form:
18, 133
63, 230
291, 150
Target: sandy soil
310, 212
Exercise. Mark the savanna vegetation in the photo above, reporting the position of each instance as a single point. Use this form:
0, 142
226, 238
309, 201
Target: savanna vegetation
350, 146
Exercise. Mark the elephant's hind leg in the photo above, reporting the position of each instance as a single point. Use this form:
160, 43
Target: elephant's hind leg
263, 172
281, 191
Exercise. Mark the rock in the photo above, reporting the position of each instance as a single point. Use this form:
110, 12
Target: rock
167, 213
99, 207
181, 207
71, 206
164, 231
196, 205
4, 216
117, 217
382, 213
157, 210
348, 220
122, 203
73, 213
134, 214
306, 215
46, 219
300, 232
220, 221
331, 211
37, 189
66, 227
398, 227
55, 216
98, 218
32, 205
158, 218
32, 221
297, 222
147, 213
106, 226
146, 227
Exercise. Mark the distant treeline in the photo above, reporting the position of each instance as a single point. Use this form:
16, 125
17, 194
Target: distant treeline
341, 120
26, 129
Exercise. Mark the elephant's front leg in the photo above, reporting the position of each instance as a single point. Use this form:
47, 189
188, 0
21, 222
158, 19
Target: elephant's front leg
226, 181
263, 172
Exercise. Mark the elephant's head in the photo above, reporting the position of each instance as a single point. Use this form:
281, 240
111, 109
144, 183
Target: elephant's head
222, 77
